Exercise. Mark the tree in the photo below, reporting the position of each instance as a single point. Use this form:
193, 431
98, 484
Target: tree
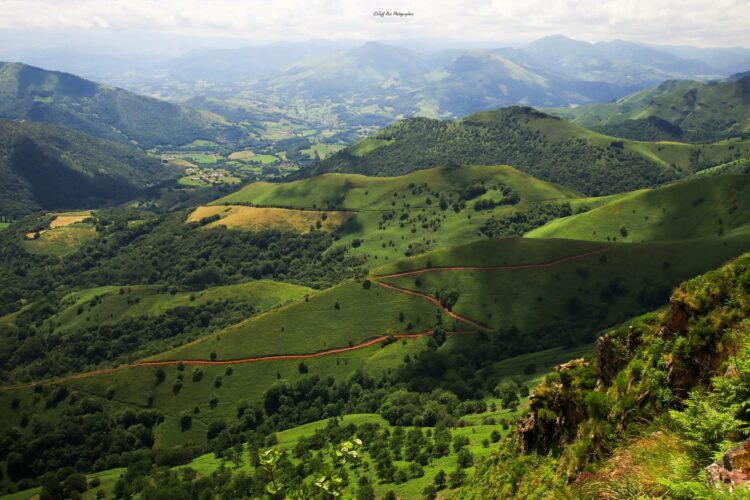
495, 436
440, 479
464, 458
430, 492
457, 478
186, 420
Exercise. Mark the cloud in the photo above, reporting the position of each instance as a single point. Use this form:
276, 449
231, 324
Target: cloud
699, 22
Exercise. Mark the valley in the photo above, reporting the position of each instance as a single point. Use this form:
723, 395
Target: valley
342, 270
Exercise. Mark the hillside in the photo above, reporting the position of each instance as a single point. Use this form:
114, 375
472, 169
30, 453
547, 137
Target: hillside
670, 387
533, 142
388, 218
35, 94
685, 210
49, 167
678, 109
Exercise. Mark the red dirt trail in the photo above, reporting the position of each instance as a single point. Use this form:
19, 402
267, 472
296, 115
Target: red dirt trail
328, 352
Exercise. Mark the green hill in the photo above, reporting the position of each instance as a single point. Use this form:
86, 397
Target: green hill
538, 144
393, 217
35, 94
676, 109
685, 210
50, 167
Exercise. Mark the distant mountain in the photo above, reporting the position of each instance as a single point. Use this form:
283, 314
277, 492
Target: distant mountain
614, 61
371, 64
687, 110
538, 144
35, 94
50, 167
553, 71
246, 63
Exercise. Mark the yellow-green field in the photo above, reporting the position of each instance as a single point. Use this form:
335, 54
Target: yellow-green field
257, 218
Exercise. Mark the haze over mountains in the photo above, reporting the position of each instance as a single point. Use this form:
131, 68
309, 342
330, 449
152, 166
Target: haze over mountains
553, 71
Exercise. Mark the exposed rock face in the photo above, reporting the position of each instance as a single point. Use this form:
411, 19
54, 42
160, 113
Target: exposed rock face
733, 471
554, 416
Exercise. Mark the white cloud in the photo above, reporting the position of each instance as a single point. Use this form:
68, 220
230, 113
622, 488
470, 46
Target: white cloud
700, 22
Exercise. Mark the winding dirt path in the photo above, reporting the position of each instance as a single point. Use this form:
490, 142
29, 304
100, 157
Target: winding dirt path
328, 352
511, 267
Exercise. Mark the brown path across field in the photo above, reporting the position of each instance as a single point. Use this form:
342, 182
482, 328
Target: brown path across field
512, 267
328, 352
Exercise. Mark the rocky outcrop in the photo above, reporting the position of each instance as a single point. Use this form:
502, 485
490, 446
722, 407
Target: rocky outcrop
733, 471
555, 413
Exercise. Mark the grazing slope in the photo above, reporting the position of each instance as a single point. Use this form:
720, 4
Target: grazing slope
686, 210
392, 217
49, 167
676, 109
538, 144
35, 94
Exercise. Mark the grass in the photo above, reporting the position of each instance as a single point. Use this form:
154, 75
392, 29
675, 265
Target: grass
576, 296
61, 241
4, 226
256, 218
368, 145
393, 217
242, 155
117, 303
63, 219
690, 209
198, 158
265, 159
322, 150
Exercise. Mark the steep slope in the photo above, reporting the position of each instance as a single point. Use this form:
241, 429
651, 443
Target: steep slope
688, 110
535, 143
35, 94
690, 209
663, 395
50, 167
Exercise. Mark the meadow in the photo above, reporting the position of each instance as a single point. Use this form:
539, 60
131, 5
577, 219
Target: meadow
258, 218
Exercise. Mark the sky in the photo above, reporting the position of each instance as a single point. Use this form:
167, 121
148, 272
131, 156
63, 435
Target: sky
183, 24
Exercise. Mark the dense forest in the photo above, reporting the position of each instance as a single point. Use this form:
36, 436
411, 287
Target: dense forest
503, 139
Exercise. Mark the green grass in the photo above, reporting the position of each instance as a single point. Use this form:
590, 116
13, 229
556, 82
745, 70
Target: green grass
264, 159
4, 226
199, 158
690, 209
576, 296
384, 237
323, 149
61, 241
315, 325
145, 300
368, 145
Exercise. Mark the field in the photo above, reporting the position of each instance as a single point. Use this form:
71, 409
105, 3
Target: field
241, 155
256, 218
4, 226
61, 241
63, 219
322, 149
690, 209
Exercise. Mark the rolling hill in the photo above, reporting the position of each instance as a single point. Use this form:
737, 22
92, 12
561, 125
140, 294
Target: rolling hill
685, 210
388, 218
681, 109
49, 167
35, 94
538, 144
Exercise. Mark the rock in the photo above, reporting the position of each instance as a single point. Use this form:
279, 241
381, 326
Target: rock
733, 471
678, 318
